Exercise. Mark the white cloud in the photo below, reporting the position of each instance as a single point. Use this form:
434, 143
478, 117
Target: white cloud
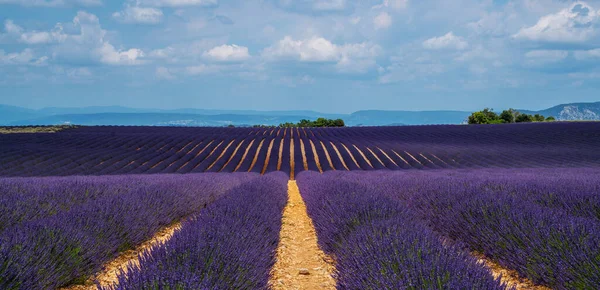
329, 5
109, 55
177, 3
90, 45
541, 57
548, 54
315, 49
571, 25
349, 58
490, 24
53, 3
394, 4
227, 53
202, 69
587, 54
382, 21
25, 57
16, 32
447, 41
163, 73
142, 15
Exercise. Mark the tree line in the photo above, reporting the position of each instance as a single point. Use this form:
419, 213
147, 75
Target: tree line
320, 122
488, 116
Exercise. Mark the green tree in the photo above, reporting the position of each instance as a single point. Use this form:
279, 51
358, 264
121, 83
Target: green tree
478, 118
508, 116
550, 119
523, 118
339, 123
538, 118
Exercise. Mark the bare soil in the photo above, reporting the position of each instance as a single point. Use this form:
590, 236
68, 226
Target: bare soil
510, 277
314, 150
256, 154
339, 155
327, 155
108, 276
351, 156
268, 157
298, 250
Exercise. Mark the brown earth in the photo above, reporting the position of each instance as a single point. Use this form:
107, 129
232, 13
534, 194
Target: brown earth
268, 157
351, 156
314, 150
510, 277
327, 155
298, 251
108, 276
339, 155
256, 154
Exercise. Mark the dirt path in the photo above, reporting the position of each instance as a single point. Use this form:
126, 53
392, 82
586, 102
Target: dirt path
510, 277
337, 151
256, 154
243, 156
387, 156
303, 151
300, 263
292, 161
327, 155
352, 156
268, 157
108, 276
314, 150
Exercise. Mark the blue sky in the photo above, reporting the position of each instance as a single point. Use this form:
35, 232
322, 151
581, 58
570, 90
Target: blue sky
326, 55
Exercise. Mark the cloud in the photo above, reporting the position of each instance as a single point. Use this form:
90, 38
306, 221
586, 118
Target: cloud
89, 45
329, 5
177, 3
228, 53
141, 15
312, 5
25, 57
447, 41
587, 54
16, 32
394, 4
53, 3
547, 54
315, 49
382, 21
348, 58
575, 24
163, 73
542, 57
202, 69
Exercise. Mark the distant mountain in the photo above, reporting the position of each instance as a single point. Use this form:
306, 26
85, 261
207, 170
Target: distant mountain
379, 118
572, 112
9, 114
158, 119
116, 115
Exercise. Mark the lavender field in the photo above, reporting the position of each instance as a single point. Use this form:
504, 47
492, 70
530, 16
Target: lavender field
415, 207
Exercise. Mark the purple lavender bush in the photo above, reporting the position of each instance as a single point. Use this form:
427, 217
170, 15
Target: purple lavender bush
378, 243
543, 223
62, 247
230, 245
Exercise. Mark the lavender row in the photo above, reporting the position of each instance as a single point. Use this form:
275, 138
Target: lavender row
378, 244
543, 223
141, 150
230, 245
86, 222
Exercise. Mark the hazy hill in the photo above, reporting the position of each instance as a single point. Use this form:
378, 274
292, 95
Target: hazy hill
116, 115
9, 114
158, 119
572, 112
